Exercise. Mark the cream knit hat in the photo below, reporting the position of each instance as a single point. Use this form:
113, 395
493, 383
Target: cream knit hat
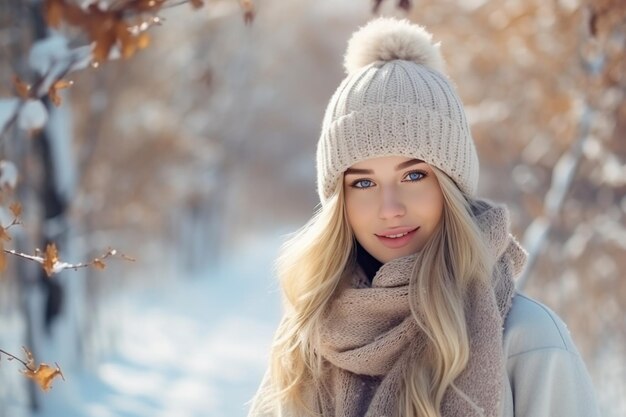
395, 101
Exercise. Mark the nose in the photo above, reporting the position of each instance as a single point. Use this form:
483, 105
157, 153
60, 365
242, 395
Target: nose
391, 205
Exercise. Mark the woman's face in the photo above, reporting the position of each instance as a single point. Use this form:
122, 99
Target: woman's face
394, 204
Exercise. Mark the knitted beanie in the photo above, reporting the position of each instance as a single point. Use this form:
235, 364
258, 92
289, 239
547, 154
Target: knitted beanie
395, 101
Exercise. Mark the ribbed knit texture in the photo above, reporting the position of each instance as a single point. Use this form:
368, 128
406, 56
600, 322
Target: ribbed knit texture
396, 107
369, 336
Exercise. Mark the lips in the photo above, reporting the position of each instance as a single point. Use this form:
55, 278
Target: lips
397, 237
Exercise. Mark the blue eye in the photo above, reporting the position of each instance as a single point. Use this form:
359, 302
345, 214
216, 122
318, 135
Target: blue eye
415, 176
362, 184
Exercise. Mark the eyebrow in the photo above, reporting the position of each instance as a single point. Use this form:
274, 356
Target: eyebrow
402, 165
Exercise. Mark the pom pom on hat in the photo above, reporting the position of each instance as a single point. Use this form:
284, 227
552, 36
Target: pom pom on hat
387, 39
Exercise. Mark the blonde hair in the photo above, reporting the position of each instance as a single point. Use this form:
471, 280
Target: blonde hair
310, 267
451, 260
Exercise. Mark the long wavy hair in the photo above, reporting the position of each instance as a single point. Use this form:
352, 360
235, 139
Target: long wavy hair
310, 267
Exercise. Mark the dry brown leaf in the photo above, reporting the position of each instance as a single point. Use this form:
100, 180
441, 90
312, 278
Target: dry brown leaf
50, 258
128, 48
143, 40
53, 12
16, 209
22, 88
142, 6
127, 42
53, 93
61, 84
103, 44
54, 97
98, 264
44, 374
107, 28
73, 14
4, 236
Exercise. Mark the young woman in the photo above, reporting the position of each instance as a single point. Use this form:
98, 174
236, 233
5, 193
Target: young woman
399, 293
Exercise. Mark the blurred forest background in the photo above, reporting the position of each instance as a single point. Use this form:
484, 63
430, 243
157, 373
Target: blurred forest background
203, 144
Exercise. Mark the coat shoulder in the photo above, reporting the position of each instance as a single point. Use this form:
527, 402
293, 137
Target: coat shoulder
531, 325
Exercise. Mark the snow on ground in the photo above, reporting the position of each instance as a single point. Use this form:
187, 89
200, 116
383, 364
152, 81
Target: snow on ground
196, 347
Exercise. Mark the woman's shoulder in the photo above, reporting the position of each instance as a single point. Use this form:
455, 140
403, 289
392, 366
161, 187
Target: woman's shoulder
546, 374
531, 326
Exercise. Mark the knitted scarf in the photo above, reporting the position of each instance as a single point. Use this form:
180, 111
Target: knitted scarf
369, 336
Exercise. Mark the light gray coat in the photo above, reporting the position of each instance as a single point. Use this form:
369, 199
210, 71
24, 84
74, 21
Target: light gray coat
546, 376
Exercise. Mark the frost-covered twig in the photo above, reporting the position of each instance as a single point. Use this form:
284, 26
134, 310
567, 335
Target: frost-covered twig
12, 357
28, 111
116, 29
52, 265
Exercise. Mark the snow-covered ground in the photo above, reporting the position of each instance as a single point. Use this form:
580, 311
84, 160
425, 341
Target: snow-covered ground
195, 347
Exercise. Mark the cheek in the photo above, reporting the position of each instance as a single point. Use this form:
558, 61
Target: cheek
428, 203
357, 210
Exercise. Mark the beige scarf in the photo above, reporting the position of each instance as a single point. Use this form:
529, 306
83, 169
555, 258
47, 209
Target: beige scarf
370, 337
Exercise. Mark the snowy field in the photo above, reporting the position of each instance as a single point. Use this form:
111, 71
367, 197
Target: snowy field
197, 347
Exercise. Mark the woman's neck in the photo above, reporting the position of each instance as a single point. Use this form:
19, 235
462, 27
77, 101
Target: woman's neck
367, 262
